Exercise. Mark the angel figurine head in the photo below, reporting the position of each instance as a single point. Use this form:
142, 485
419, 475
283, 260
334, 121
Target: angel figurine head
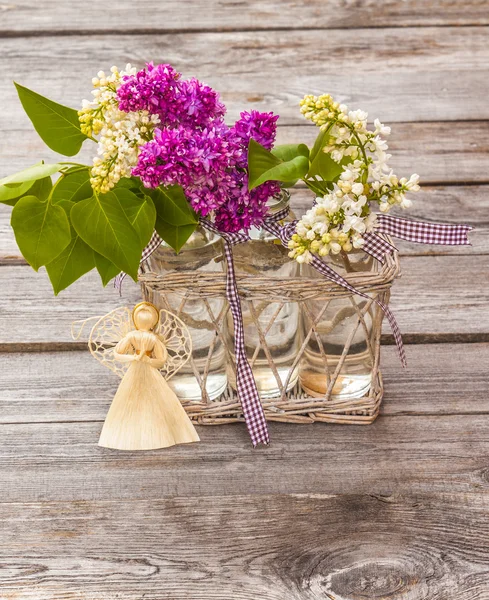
145, 316
145, 347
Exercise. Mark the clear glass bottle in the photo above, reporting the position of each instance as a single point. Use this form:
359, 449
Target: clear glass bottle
203, 252
335, 328
265, 256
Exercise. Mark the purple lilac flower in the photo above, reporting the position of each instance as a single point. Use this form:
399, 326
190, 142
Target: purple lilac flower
244, 209
150, 89
261, 127
160, 90
210, 165
200, 102
199, 161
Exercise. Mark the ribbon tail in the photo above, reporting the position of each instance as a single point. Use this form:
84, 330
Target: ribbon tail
332, 275
422, 232
284, 233
245, 382
377, 247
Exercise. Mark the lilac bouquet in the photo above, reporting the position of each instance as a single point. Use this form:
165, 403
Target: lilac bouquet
165, 158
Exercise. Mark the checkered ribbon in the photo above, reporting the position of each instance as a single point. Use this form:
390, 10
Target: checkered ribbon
245, 382
412, 231
285, 232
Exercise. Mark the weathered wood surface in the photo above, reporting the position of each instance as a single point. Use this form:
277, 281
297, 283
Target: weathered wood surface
51, 17
414, 74
397, 454
307, 547
396, 510
440, 203
453, 287
72, 386
440, 152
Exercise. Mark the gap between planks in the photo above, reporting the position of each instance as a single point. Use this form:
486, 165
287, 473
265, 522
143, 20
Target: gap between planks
57, 33
411, 339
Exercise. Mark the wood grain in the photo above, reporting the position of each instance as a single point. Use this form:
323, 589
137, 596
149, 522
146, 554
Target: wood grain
449, 204
33, 312
429, 454
72, 386
300, 547
52, 17
433, 150
430, 70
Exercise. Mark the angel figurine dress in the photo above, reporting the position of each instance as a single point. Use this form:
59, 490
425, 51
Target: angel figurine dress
145, 347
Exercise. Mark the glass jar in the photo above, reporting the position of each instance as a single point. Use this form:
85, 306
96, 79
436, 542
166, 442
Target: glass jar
264, 256
338, 325
203, 252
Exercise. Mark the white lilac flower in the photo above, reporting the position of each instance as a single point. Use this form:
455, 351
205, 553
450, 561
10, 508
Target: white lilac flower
338, 221
120, 133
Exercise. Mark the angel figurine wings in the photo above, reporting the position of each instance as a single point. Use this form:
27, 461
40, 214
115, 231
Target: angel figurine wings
145, 347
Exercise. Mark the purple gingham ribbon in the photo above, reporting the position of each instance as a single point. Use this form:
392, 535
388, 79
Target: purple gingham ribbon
245, 382
285, 232
413, 231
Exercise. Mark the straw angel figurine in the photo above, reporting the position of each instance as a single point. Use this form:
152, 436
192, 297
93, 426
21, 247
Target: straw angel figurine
145, 347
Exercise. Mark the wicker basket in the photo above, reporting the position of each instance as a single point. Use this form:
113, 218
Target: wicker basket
295, 406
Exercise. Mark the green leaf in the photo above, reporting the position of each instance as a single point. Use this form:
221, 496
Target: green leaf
175, 218
106, 269
40, 189
10, 193
318, 186
132, 183
173, 235
287, 152
325, 167
58, 125
102, 223
265, 166
73, 262
31, 174
140, 212
319, 143
73, 186
172, 205
42, 230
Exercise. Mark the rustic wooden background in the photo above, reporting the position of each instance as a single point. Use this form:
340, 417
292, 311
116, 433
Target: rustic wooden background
396, 510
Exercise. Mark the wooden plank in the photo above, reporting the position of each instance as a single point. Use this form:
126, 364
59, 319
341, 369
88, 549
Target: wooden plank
429, 69
72, 386
32, 313
51, 17
433, 150
395, 455
450, 204
296, 547
430, 298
